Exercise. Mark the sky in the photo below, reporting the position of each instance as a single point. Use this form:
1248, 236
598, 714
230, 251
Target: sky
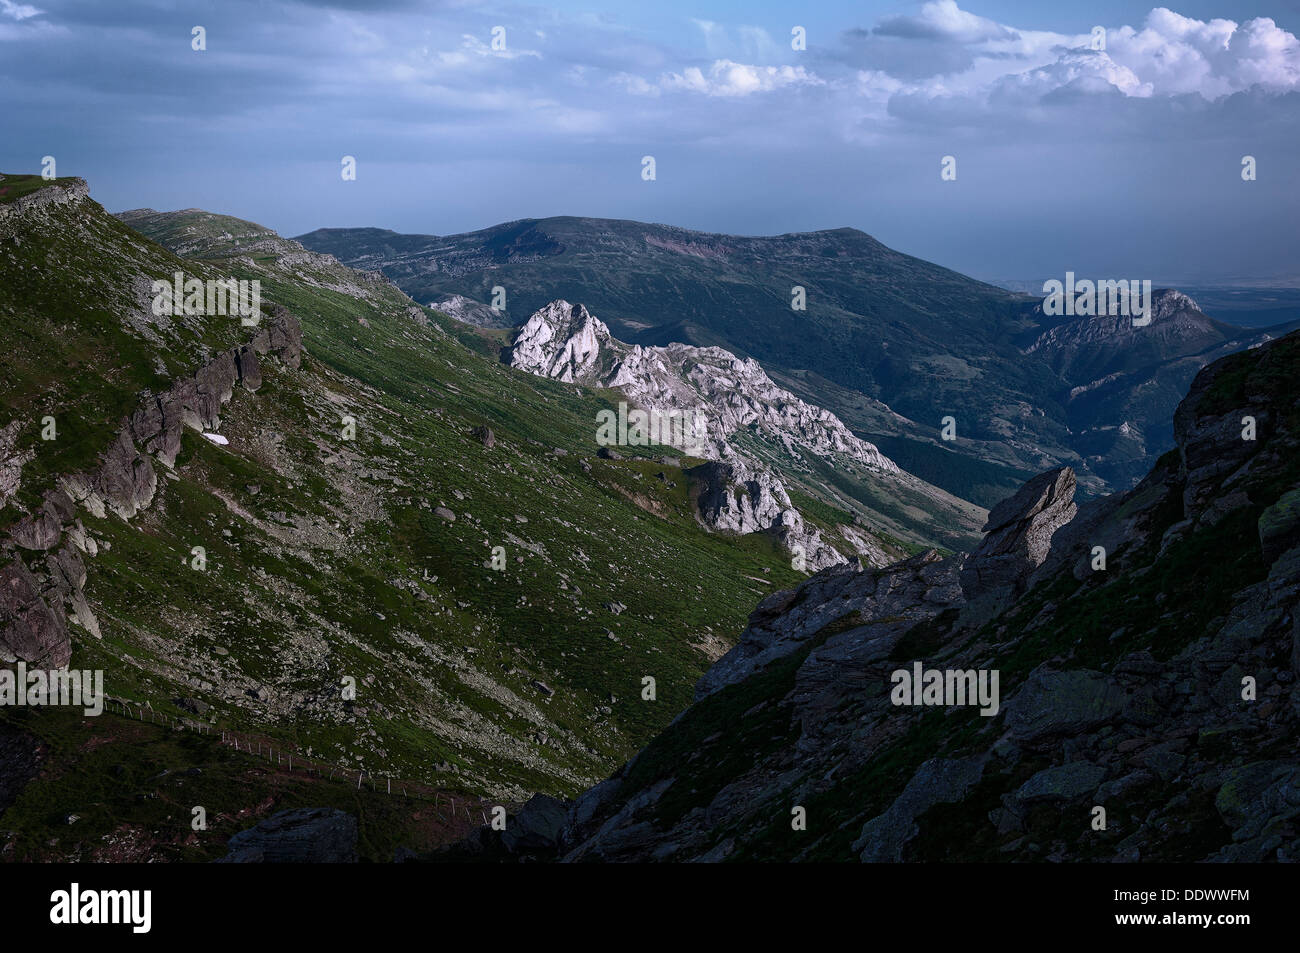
1105, 138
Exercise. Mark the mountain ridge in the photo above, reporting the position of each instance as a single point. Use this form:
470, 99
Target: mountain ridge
900, 343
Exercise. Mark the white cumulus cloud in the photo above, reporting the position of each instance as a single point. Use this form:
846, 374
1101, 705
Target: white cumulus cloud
728, 78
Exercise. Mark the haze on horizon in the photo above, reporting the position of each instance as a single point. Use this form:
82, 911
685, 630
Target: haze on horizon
1123, 162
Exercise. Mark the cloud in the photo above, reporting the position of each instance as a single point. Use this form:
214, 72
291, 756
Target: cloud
954, 68
1177, 54
18, 11
728, 78
944, 20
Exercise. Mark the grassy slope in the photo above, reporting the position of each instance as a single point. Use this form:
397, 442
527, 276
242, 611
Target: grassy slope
337, 565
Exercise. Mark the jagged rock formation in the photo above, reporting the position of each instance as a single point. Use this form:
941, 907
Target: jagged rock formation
34, 603
737, 498
566, 342
1018, 534
1160, 685
721, 395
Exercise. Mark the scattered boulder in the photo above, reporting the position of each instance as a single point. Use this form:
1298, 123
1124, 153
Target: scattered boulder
1062, 703
538, 826
1018, 535
1064, 782
312, 835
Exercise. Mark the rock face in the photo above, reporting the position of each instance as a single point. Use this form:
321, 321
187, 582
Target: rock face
468, 311
312, 835
30, 630
1018, 534
1168, 695
35, 602
12, 461
66, 192
566, 342
721, 395
736, 498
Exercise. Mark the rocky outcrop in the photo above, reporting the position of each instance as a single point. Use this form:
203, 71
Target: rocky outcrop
906, 592
1018, 535
36, 601
735, 498
310, 835
721, 395
64, 192
566, 342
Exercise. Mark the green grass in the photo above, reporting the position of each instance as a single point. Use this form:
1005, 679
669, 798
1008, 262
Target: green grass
338, 565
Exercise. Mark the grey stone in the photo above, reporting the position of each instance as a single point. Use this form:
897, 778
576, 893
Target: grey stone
937, 781
308, 835
1062, 703
1065, 782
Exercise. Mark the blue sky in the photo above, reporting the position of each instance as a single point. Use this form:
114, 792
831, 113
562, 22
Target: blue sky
1117, 162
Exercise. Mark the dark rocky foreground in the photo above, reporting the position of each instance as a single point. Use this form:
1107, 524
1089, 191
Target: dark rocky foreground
1147, 646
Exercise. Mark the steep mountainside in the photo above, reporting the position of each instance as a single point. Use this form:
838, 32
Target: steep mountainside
1145, 646
237, 522
890, 343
